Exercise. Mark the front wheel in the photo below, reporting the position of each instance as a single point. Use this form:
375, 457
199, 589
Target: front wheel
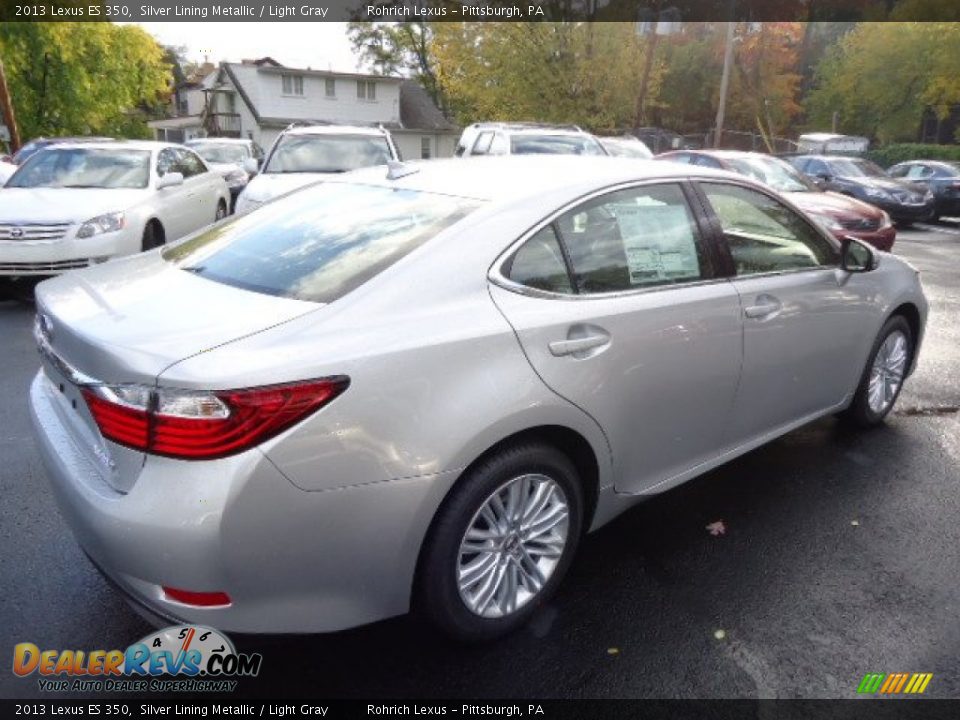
883, 377
501, 543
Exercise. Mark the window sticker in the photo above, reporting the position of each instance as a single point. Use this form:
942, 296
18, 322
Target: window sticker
657, 241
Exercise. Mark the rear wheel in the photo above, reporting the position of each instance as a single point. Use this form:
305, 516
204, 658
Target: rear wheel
152, 236
501, 543
883, 377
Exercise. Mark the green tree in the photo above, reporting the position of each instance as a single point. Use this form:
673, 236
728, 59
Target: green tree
80, 78
881, 76
399, 48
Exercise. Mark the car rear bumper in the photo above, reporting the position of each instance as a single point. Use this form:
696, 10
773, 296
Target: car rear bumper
290, 560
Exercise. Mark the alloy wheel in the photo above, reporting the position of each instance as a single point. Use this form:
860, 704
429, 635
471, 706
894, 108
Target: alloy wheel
513, 545
886, 374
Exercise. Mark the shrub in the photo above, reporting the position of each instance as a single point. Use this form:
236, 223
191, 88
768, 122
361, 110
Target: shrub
888, 155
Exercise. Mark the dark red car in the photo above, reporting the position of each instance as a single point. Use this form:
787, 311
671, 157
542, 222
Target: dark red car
842, 215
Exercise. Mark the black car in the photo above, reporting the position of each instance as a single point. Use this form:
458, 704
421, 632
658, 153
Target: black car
905, 201
940, 177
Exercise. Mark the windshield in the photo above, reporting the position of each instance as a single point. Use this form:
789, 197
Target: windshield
626, 148
327, 153
321, 243
220, 152
773, 172
856, 168
60, 167
528, 144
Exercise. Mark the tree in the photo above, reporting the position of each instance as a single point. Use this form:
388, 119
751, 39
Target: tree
83, 78
881, 76
583, 73
399, 48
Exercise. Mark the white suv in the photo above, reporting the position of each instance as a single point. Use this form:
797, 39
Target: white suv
304, 154
504, 138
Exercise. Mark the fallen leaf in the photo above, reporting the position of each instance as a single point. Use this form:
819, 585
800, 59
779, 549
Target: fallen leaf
855, 523
717, 528
613, 651
720, 634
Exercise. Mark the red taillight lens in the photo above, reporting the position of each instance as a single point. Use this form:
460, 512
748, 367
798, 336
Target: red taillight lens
197, 599
204, 425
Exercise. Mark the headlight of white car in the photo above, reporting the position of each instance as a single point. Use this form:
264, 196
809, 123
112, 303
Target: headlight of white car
111, 222
235, 178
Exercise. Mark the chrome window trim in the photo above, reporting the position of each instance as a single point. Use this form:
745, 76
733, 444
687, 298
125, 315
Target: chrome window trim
496, 276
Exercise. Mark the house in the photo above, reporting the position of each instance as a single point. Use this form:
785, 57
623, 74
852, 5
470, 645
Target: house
257, 99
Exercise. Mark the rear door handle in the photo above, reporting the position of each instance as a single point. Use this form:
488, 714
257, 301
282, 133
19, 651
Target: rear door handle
766, 306
581, 340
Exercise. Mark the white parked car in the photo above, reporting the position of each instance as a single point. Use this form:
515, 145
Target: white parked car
524, 138
310, 153
229, 156
626, 146
75, 205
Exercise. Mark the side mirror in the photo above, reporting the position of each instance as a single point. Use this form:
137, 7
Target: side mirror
857, 256
251, 165
171, 179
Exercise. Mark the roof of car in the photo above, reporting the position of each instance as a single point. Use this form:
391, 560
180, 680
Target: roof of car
518, 176
529, 127
336, 130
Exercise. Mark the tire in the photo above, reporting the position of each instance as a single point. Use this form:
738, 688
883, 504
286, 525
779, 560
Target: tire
221, 211
152, 236
862, 412
548, 473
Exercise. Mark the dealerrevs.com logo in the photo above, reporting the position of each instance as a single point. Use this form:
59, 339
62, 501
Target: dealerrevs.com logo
186, 658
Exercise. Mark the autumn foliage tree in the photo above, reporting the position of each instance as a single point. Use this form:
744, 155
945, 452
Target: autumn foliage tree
880, 76
83, 78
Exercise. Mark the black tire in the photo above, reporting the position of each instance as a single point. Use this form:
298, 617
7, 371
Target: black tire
437, 595
152, 236
860, 414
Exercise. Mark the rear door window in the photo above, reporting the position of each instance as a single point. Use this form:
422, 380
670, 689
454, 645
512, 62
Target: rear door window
633, 239
320, 243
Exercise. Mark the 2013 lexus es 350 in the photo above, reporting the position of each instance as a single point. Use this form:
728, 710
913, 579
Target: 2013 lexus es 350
418, 386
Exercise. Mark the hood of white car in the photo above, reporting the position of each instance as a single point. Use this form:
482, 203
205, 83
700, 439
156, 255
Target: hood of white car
267, 186
63, 205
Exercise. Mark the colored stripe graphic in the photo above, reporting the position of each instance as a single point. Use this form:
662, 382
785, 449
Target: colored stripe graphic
894, 683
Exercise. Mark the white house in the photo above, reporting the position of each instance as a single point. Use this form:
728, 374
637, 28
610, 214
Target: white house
258, 99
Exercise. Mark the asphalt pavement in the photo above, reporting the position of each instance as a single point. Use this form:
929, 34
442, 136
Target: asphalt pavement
840, 556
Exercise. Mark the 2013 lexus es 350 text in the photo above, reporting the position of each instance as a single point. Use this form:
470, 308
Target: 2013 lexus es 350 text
418, 386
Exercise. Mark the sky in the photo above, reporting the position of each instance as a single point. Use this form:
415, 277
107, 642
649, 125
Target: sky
320, 46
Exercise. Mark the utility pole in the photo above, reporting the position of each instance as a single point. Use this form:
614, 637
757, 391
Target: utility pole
645, 77
6, 107
724, 85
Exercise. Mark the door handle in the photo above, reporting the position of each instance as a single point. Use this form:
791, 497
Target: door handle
581, 341
767, 306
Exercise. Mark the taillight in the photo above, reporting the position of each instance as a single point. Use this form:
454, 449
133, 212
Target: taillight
194, 425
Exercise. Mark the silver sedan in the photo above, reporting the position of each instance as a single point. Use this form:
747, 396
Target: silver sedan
420, 386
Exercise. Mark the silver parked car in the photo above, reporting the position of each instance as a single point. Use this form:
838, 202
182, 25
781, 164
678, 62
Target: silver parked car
421, 385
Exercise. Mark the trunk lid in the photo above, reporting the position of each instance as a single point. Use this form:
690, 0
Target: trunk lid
128, 320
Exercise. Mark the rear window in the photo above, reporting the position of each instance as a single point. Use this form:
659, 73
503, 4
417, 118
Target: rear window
529, 144
319, 244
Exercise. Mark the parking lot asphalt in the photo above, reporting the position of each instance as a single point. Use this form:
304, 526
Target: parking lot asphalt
840, 556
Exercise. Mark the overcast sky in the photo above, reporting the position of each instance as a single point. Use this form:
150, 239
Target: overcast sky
320, 46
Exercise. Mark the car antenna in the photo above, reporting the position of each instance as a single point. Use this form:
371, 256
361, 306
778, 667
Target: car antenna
397, 169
